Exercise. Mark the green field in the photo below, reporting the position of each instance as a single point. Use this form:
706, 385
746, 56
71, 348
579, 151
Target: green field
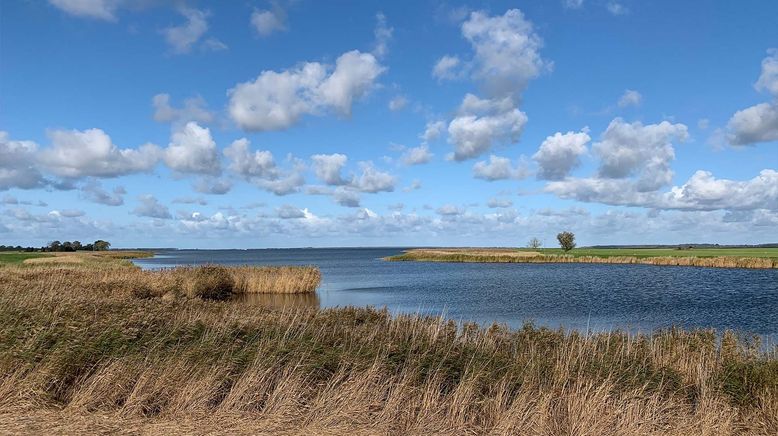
661, 252
7, 257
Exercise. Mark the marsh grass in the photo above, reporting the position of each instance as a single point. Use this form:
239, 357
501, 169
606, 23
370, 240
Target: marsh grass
79, 351
516, 256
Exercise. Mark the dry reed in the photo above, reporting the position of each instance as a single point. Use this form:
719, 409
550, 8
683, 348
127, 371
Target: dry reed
80, 352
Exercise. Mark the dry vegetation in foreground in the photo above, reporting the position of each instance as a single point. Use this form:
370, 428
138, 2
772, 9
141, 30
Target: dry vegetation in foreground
82, 350
497, 255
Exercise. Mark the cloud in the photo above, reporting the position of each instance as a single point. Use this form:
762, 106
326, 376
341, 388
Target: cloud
757, 123
96, 9
181, 38
212, 185
267, 22
415, 184
95, 193
432, 131
499, 168
75, 154
449, 210
328, 167
191, 200
495, 203
616, 8
213, 44
559, 154
417, 155
346, 197
192, 150
447, 68
373, 180
705, 192
480, 124
194, 109
572, 4
150, 207
69, 213
261, 169
260, 164
289, 212
630, 98
507, 52
768, 79
701, 192
277, 100
635, 150
17, 164
383, 33
398, 103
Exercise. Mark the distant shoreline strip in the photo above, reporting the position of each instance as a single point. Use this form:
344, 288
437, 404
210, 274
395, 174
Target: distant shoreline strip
706, 262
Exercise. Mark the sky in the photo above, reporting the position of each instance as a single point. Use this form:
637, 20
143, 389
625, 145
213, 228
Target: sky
300, 123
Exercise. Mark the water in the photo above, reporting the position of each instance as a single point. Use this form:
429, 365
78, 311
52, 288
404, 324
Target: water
575, 296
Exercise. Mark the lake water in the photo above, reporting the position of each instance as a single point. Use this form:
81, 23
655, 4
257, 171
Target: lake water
574, 296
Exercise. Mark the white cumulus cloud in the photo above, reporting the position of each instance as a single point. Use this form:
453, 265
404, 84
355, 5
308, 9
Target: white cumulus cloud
277, 100
75, 154
192, 150
499, 168
559, 154
482, 123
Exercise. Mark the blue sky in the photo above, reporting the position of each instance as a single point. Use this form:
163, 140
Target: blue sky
301, 123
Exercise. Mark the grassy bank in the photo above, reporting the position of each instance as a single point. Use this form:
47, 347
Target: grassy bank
88, 257
82, 349
737, 258
16, 257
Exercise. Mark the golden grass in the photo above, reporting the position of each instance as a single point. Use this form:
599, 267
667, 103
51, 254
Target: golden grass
516, 256
87, 256
80, 352
275, 280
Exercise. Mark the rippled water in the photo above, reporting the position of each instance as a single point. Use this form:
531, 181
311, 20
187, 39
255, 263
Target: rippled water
575, 296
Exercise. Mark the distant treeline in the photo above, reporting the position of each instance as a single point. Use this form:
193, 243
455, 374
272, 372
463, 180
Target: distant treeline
57, 246
687, 246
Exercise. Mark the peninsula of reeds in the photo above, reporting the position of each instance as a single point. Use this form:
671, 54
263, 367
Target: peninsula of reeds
506, 255
103, 347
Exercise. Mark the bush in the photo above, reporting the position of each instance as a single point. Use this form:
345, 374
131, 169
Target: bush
212, 282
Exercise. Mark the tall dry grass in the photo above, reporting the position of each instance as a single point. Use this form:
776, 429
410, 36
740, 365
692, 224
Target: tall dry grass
276, 279
80, 350
513, 256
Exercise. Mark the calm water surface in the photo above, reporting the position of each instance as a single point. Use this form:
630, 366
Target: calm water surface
574, 296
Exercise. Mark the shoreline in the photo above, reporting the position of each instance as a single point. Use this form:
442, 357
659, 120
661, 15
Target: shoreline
480, 255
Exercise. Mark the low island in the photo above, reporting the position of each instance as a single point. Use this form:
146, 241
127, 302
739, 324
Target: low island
712, 256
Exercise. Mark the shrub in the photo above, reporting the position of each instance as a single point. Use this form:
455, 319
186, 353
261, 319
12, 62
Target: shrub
212, 282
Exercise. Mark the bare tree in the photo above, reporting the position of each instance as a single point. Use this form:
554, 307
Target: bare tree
566, 240
534, 243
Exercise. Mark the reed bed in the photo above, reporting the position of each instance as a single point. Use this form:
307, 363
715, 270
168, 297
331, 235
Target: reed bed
514, 256
81, 351
276, 280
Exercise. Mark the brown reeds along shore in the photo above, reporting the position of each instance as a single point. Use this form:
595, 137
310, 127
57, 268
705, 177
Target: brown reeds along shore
518, 256
103, 347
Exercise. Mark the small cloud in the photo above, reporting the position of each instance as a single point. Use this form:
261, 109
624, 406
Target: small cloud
398, 103
151, 207
616, 8
267, 22
383, 33
630, 98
